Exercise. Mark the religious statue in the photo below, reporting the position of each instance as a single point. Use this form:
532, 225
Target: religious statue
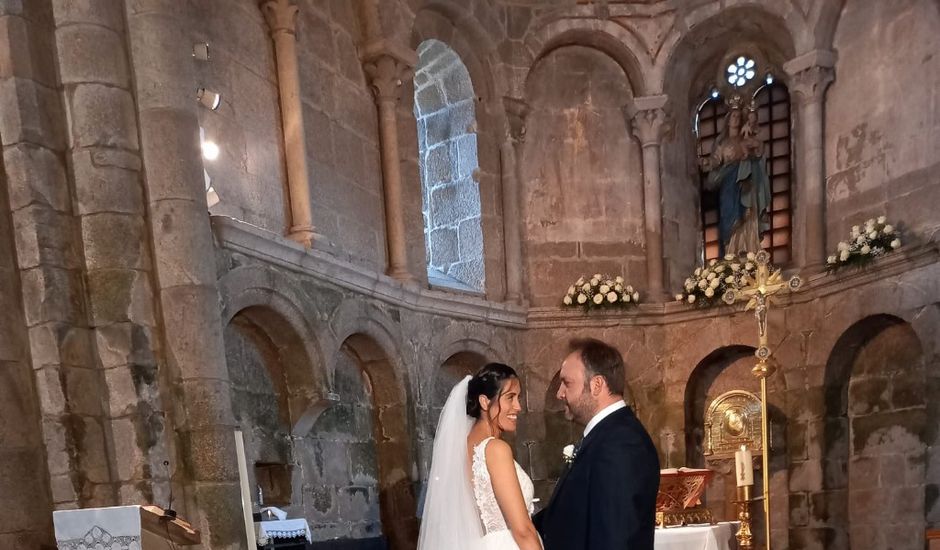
737, 169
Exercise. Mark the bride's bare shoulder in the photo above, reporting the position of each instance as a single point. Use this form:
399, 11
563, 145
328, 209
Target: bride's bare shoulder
498, 451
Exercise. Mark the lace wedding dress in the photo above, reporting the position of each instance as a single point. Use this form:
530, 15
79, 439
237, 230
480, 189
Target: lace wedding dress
496, 534
460, 511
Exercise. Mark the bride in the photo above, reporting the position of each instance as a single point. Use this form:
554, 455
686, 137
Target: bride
478, 497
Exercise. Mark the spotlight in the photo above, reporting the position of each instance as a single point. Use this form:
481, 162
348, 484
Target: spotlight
201, 51
208, 98
210, 151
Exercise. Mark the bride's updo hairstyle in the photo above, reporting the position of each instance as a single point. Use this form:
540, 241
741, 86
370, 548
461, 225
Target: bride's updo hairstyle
487, 381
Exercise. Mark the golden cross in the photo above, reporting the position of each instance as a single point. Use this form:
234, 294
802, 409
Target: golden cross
759, 292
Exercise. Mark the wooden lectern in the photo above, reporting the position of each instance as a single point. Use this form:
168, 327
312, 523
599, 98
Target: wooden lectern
121, 527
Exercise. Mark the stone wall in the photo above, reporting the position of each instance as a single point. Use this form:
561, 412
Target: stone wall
582, 195
248, 175
445, 113
883, 119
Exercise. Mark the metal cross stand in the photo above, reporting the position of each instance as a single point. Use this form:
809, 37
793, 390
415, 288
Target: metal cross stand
759, 293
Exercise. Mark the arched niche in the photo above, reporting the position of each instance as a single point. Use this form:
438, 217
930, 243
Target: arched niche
581, 174
692, 70
275, 398
725, 369
376, 398
874, 438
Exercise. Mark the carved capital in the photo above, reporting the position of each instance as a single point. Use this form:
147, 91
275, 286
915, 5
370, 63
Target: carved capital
650, 125
386, 75
810, 84
516, 112
281, 15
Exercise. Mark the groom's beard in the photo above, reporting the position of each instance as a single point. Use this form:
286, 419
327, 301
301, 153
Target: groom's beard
581, 411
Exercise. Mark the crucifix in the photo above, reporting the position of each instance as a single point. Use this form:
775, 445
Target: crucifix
759, 291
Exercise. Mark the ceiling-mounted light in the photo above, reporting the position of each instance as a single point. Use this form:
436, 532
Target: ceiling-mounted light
208, 98
201, 51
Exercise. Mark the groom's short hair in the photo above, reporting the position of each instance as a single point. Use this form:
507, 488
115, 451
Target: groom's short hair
600, 359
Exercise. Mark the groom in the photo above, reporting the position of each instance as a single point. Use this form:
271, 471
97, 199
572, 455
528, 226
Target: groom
606, 500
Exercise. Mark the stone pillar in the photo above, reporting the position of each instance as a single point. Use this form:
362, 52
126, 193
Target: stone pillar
510, 155
109, 207
810, 75
282, 18
183, 251
648, 121
386, 69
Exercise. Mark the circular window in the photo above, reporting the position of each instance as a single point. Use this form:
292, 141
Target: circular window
741, 71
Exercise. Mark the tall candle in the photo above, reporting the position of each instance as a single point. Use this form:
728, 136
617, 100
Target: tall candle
743, 467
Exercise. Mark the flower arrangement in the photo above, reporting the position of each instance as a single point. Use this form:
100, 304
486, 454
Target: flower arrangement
600, 291
708, 283
876, 238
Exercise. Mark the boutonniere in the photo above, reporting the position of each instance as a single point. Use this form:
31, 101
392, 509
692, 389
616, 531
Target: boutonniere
569, 453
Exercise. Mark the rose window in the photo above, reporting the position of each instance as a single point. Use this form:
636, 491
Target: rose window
741, 71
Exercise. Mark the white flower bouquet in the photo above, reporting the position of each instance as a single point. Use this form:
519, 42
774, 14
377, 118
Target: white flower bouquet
876, 238
600, 291
708, 283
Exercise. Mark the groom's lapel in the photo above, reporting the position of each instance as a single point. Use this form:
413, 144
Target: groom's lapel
591, 437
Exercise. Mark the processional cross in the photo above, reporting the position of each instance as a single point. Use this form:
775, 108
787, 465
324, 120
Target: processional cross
759, 291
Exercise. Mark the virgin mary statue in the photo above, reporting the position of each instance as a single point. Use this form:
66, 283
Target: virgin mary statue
737, 169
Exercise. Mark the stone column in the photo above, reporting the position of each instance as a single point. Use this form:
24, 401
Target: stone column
810, 76
648, 121
282, 18
510, 155
386, 69
183, 252
109, 207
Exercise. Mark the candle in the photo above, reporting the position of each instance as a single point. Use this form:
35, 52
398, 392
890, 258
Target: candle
743, 467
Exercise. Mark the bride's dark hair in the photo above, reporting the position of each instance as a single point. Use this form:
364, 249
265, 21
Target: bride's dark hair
487, 381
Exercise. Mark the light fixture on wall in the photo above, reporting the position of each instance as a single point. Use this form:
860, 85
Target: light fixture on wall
201, 51
208, 98
769, 79
210, 149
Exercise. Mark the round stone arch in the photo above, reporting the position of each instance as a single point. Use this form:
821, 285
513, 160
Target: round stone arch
875, 428
372, 349
621, 44
724, 369
268, 302
688, 76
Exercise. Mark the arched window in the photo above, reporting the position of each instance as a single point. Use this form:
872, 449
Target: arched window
444, 107
773, 114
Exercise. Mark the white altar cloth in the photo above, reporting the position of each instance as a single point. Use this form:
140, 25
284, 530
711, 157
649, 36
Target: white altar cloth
704, 537
267, 531
116, 528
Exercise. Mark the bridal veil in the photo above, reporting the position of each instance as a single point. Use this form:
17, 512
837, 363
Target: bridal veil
451, 520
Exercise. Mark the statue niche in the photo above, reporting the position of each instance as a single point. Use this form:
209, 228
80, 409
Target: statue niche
737, 170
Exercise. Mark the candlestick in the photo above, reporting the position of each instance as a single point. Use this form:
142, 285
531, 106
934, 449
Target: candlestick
744, 536
743, 467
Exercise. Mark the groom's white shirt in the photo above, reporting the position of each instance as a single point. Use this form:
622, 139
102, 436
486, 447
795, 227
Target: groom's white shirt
604, 413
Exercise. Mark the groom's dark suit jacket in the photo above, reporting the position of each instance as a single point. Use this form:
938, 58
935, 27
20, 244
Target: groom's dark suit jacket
606, 500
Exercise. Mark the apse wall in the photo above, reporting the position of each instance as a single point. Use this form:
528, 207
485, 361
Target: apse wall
582, 188
883, 118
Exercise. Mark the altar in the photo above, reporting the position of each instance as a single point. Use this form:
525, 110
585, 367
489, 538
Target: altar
719, 536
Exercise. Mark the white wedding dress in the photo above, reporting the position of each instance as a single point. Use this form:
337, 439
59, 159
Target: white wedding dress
496, 533
460, 509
